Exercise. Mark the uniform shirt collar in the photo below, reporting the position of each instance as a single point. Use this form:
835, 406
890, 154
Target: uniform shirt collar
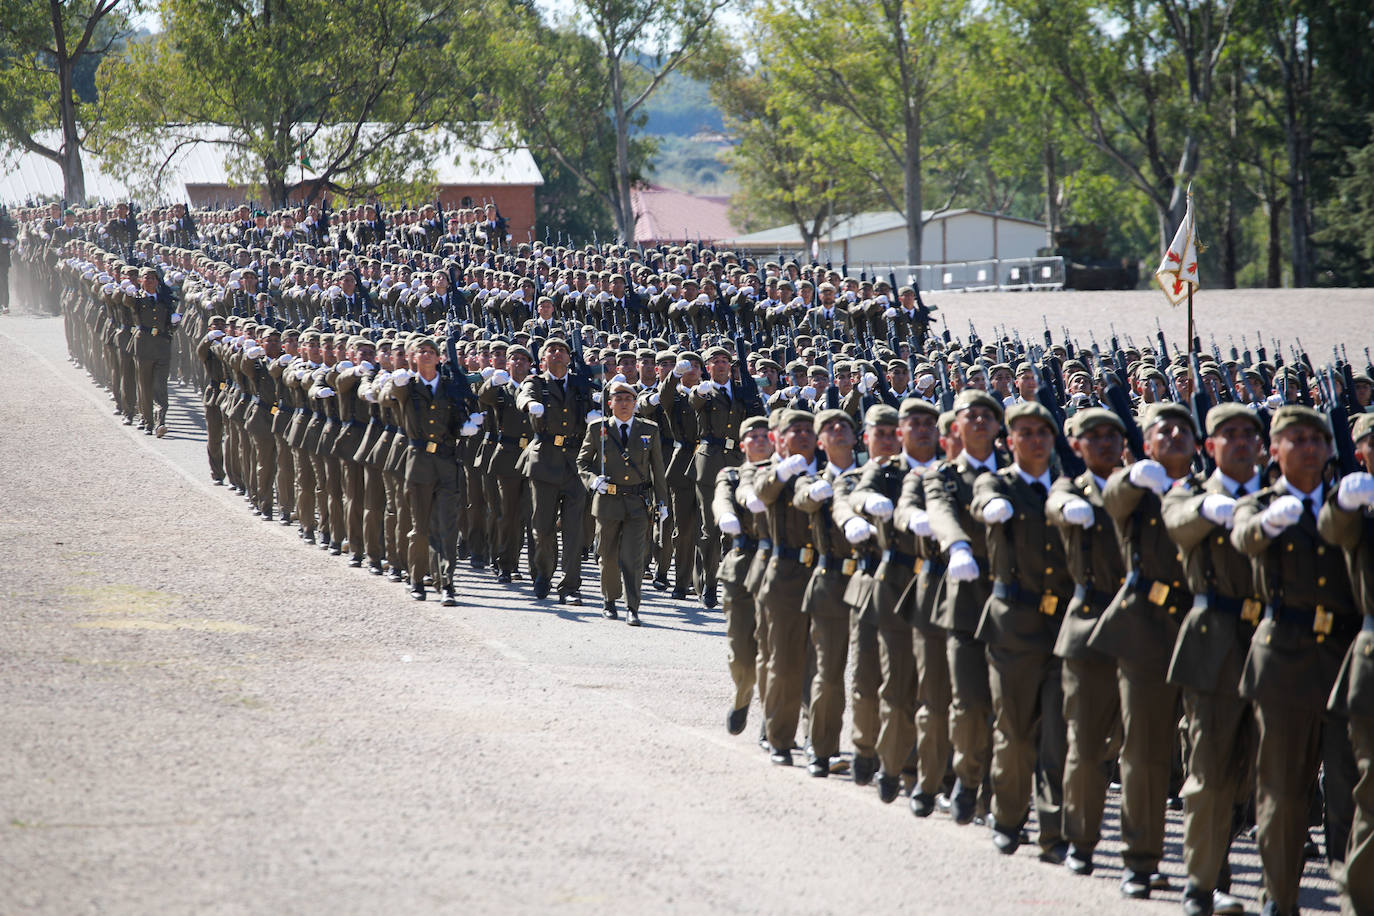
989, 465
1044, 479
835, 470
914, 465
1315, 496
1251, 486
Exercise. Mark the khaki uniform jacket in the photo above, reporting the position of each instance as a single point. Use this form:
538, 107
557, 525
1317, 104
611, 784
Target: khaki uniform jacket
1297, 571
1094, 561
734, 566
513, 431
1212, 642
949, 500
639, 465
1353, 532
551, 458
1027, 562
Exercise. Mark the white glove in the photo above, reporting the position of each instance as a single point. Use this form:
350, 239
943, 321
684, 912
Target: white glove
1150, 475
730, 524
176, 318
596, 397
601, 484
682, 368
325, 392
924, 382
593, 415
234, 284
919, 523
254, 352
809, 393
1079, 512
820, 491
705, 388
1356, 491
997, 511
662, 512
878, 506
215, 334
284, 359
857, 530
654, 399
890, 313
488, 372
479, 418
536, 409
870, 380
1282, 512
1218, 509
1274, 401
500, 377
963, 566
400, 378
750, 500
469, 429
790, 467
344, 364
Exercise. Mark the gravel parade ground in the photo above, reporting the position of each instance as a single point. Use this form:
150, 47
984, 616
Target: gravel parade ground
203, 715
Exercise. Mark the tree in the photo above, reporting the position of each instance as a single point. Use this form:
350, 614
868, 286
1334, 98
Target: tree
349, 81
544, 87
42, 45
883, 80
1135, 79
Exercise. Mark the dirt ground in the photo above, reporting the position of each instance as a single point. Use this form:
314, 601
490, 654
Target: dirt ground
202, 715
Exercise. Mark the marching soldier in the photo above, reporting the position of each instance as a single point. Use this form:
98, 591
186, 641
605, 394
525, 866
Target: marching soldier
622, 462
1348, 521
559, 405
1310, 621
1207, 656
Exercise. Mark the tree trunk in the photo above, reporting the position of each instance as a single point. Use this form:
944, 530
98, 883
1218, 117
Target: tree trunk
1051, 195
1297, 143
275, 174
912, 188
1229, 264
1273, 255
73, 176
624, 209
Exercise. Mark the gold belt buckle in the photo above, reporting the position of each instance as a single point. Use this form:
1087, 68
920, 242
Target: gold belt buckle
919, 566
431, 447
729, 443
274, 411
558, 440
1322, 620
807, 556
1049, 604
1250, 611
524, 441
154, 332
849, 565
1159, 593
610, 489
223, 386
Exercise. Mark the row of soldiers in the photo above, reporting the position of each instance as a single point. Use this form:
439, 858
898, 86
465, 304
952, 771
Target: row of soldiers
1029, 579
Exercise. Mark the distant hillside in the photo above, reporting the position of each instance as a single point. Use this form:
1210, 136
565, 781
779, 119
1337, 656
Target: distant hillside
681, 107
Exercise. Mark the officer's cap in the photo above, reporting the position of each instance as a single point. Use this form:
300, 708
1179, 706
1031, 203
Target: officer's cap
1090, 418
712, 352
1034, 410
946, 422
829, 416
896, 363
615, 388
918, 405
1299, 415
1364, 426
552, 342
1168, 410
975, 397
749, 424
417, 342
1222, 414
792, 416
880, 415
767, 363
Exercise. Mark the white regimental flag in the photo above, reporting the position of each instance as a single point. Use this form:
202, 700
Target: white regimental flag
1177, 274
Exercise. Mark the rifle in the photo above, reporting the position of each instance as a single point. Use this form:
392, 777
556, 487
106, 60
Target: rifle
1068, 459
1340, 423
1119, 402
946, 390
1199, 403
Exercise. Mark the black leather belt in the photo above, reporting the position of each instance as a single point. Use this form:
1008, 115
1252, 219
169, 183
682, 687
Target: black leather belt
518, 441
624, 489
806, 556
1247, 609
390, 429
765, 545
1048, 603
895, 559
740, 542
303, 410
1319, 620
842, 566
440, 449
560, 441
1158, 592
1092, 597
357, 423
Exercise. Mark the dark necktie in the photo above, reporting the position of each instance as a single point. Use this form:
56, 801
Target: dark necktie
1039, 489
624, 435
558, 383
1242, 490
